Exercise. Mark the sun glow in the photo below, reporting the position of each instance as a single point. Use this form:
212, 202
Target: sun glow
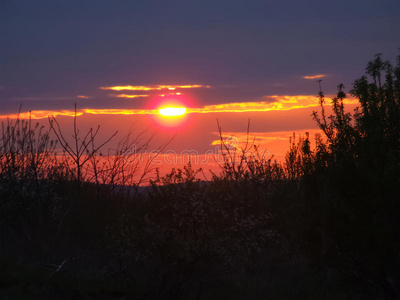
172, 111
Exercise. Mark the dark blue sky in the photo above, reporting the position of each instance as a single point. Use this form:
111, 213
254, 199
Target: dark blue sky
53, 50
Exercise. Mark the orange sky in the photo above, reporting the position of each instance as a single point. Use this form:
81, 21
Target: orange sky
195, 134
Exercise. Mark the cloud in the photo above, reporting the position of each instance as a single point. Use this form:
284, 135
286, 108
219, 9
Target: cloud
42, 114
274, 103
170, 94
127, 96
153, 87
314, 76
120, 111
84, 97
268, 143
277, 103
256, 138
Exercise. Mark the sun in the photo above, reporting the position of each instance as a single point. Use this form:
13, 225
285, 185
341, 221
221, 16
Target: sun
170, 111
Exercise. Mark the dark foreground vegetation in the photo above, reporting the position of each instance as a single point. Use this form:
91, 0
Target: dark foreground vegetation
323, 225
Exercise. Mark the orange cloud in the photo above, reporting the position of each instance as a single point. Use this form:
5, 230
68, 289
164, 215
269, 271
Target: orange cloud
128, 96
120, 111
84, 97
278, 103
42, 114
257, 138
170, 94
314, 76
269, 143
153, 87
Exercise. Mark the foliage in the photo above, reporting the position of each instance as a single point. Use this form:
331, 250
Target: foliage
356, 172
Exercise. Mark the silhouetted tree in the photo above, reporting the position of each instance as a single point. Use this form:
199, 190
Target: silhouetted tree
358, 171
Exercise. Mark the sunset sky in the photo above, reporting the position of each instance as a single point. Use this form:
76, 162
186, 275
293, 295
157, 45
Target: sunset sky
121, 61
